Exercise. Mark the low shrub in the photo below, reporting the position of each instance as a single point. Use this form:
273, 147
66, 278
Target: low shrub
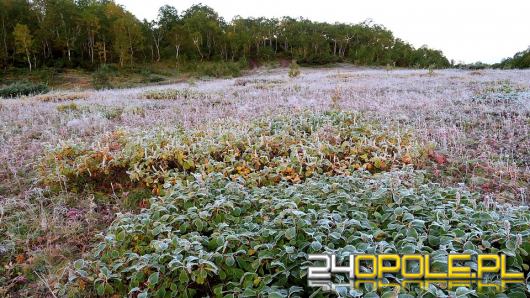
431, 68
218, 238
67, 107
219, 69
101, 78
23, 88
143, 71
155, 79
258, 82
294, 69
149, 77
47, 74
62, 96
112, 113
174, 94
138, 111
265, 153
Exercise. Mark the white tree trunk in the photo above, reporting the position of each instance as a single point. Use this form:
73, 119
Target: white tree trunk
29, 59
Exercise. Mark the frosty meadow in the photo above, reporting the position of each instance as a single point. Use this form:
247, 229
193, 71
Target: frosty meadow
223, 187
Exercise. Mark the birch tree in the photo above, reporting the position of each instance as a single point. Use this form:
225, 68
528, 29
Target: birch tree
23, 42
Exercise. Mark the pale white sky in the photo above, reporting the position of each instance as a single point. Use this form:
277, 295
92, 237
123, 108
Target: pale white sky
465, 30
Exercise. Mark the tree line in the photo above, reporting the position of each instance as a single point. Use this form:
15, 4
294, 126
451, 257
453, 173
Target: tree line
89, 33
519, 60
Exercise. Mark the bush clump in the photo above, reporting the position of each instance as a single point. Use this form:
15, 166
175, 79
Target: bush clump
23, 88
174, 94
101, 78
149, 77
294, 69
63, 96
219, 69
155, 79
68, 107
215, 237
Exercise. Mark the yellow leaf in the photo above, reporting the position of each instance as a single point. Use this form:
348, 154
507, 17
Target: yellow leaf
256, 281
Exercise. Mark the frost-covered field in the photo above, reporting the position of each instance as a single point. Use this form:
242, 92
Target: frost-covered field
479, 117
467, 128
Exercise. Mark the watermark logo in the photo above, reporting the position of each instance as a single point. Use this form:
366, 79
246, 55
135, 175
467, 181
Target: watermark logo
413, 269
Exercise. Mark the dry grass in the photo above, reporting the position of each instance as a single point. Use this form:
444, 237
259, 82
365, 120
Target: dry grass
63, 96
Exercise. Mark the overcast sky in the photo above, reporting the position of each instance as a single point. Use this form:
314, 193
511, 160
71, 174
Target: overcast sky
465, 30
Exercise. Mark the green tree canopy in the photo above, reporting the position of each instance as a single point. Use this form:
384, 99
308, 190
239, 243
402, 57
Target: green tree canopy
86, 33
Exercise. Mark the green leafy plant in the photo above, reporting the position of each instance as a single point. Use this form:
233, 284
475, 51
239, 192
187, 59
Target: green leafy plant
23, 88
265, 153
217, 237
